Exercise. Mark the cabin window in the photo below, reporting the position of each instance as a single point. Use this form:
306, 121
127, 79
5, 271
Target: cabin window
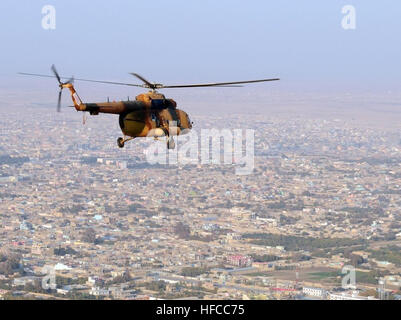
158, 104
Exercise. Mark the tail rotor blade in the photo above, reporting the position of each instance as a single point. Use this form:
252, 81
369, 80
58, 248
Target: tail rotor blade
71, 80
59, 101
53, 68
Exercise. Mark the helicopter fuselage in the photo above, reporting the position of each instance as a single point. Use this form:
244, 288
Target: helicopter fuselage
154, 123
149, 115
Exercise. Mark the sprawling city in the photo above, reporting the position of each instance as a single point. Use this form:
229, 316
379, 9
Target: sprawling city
83, 219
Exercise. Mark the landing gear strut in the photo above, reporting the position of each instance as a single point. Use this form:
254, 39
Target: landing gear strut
170, 143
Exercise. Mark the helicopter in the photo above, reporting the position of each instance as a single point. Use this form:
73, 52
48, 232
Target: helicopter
151, 114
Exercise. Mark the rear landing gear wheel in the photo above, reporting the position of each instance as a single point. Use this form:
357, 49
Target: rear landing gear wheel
170, 143
120, 142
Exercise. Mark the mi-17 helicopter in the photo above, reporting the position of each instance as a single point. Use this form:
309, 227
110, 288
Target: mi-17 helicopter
149, 115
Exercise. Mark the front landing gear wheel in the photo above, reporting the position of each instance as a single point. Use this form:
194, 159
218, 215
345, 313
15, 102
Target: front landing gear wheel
170, 143
120, 142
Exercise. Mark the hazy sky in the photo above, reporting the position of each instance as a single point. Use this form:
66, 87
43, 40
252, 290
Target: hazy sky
176, 41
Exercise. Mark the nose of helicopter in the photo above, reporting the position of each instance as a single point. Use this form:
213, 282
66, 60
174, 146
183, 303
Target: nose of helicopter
190, 123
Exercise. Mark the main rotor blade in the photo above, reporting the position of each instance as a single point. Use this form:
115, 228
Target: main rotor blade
56, 73
157, 86
36, 75
223, 86
217, 84
111, 82
88, 80
151, 85
59, 101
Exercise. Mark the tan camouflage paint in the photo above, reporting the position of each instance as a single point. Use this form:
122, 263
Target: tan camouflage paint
136, 116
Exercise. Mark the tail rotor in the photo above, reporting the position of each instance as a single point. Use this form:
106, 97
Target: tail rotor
62, 85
